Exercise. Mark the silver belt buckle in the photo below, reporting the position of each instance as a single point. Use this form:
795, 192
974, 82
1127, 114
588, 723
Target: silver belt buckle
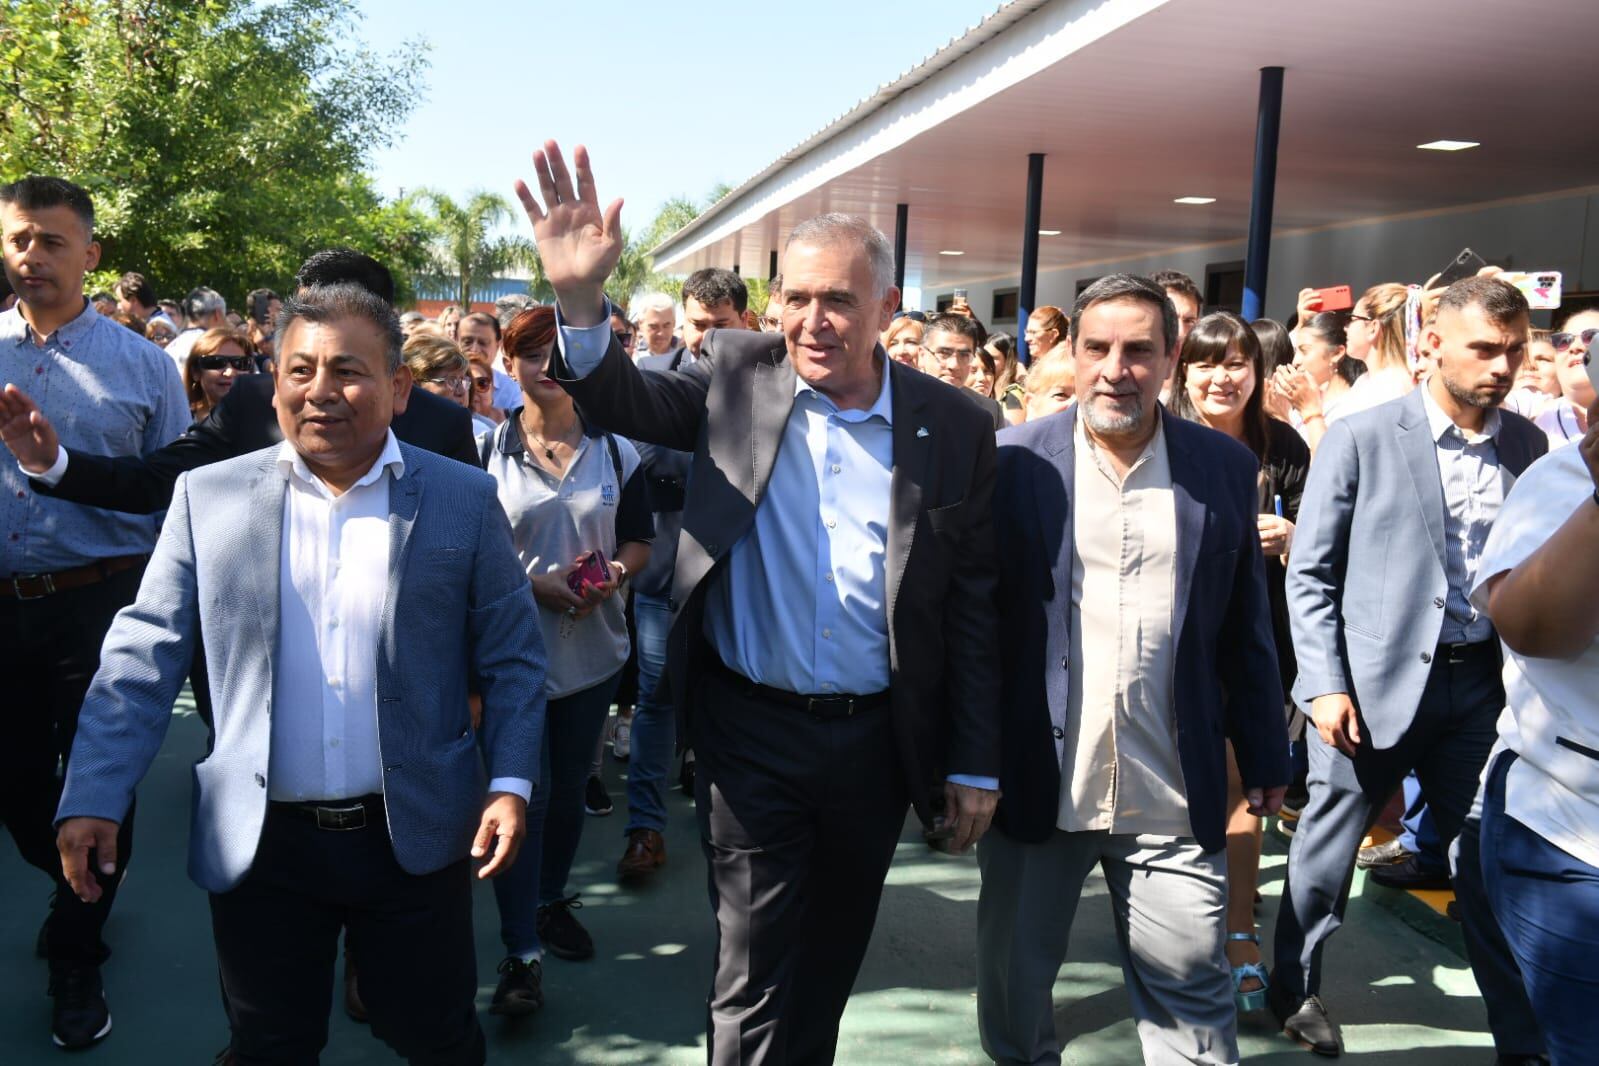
340, 819
49, 585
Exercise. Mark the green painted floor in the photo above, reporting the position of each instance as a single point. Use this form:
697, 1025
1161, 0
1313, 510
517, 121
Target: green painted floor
1395, 977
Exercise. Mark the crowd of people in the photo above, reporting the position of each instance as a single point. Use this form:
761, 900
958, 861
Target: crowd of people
1251, 569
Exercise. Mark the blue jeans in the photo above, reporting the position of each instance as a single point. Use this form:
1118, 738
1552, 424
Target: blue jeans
654, 719
555, 816
1419, 835
1547, 903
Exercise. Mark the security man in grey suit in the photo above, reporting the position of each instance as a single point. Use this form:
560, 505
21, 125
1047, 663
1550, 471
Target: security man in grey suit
834, 638
349, 589
1397, 669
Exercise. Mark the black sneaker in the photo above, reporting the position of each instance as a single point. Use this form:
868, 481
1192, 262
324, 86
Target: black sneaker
80, 1017
521, 988
563, 934
596, 800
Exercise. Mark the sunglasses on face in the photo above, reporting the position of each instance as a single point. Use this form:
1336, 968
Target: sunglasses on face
1561, 341
482, 384
625, 339
242, 364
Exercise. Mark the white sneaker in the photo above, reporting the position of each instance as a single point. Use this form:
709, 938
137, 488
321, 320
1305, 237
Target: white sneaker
622, 741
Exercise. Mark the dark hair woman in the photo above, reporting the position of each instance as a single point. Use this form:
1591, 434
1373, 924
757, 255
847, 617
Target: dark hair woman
1220, 383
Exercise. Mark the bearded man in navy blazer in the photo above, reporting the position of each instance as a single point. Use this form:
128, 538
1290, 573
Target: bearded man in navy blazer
1139, 641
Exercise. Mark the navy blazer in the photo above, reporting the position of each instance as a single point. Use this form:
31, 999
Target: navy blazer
1227, 684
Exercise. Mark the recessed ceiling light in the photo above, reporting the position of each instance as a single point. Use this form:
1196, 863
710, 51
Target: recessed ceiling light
1049, 233
1449, 146
951, 251
1194, 200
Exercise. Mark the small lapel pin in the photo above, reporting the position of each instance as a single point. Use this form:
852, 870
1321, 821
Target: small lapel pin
922, 432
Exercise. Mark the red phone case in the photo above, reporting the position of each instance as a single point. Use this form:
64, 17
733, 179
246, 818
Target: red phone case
592, 571
1336, 298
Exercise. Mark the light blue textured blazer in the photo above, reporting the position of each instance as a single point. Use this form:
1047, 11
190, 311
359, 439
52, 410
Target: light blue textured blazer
459, 611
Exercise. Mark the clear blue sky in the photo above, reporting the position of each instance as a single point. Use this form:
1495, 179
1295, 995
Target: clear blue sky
668, 103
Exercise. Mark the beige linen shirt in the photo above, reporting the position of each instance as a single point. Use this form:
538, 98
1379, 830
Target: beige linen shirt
1120, 769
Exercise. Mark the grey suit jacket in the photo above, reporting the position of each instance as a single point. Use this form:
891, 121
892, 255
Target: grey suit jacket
459, 611
1366, 580
729, 409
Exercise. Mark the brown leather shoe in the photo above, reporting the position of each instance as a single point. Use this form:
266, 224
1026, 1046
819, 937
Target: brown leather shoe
646, 853
352, 995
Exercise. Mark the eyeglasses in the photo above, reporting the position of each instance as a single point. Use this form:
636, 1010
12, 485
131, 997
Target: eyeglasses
951, 353
1561, 341
453, 384
242, 364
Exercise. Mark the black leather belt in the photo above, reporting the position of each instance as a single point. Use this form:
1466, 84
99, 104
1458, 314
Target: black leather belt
335, 815
1459, 653
827, 707
38, 586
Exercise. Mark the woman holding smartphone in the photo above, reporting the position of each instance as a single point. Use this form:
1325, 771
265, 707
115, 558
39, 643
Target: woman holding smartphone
581, 525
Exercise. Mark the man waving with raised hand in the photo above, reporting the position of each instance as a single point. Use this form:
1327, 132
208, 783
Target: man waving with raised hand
833, 645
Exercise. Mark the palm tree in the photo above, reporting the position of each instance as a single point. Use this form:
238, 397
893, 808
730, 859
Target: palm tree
469, 250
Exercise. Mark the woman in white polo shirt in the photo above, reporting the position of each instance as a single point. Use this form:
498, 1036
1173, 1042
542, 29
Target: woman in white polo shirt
1539, 582
568, 489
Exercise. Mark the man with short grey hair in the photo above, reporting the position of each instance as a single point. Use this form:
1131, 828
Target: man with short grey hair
508, 307
833, 651
203, 309
656, 317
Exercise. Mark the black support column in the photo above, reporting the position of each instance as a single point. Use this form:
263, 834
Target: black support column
1257, 258
1027, 296
902, 215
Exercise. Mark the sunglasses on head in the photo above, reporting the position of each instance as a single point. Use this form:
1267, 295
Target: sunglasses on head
1562, 341
914, 316
243, 364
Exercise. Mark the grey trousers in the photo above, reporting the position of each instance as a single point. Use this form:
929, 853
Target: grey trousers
1447, 745
1169, 903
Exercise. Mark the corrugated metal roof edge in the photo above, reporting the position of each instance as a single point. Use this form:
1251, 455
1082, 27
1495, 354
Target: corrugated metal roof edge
991, 26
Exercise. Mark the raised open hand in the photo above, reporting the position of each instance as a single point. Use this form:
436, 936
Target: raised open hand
578, 243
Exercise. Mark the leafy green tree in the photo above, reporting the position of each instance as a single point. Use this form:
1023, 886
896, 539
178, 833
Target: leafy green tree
469, 250
222, 140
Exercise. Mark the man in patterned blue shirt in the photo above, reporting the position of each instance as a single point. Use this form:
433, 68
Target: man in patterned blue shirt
65, 570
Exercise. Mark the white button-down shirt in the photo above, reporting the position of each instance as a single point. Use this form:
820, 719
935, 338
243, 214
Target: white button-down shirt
333, 578
1120, 769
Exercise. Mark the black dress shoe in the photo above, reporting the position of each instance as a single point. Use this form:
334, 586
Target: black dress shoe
1408, 874
1382, 854
561, 933
1305, 1021
521, 988
79, 1017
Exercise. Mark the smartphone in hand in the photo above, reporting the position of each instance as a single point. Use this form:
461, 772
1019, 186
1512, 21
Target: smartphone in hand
593, 570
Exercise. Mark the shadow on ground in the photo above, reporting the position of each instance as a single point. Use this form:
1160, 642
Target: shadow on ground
1401, 996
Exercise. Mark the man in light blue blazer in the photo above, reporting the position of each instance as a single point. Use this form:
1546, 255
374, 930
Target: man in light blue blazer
350, 591
1397, 669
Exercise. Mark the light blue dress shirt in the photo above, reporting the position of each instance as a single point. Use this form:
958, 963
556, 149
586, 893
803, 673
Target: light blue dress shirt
107, 391
1474, 485
804, 604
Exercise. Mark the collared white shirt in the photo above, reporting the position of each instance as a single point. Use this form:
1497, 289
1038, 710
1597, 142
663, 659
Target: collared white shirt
333, 578
1120, 768
1551, 716
1474, 487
